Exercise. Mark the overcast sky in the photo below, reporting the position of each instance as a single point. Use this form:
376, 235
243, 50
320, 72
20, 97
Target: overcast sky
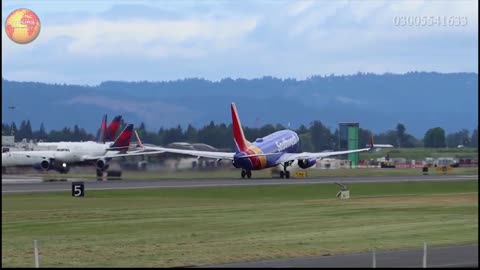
87, 42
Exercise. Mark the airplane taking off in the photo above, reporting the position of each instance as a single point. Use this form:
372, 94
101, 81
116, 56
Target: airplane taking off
279, 148
72, 153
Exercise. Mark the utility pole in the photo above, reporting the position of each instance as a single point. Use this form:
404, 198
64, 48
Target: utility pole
424, 254
11, 128
35, 251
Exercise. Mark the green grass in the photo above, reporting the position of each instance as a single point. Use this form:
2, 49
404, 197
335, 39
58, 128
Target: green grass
420, 153
175, 227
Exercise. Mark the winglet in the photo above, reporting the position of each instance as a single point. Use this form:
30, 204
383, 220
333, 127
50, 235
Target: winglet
371, 143
139, 142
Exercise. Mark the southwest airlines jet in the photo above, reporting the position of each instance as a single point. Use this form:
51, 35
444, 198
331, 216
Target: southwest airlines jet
279, 148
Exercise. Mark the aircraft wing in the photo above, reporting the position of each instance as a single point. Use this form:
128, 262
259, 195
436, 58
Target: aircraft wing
307, 155
196, 153
40, 156
32, 154
110, 156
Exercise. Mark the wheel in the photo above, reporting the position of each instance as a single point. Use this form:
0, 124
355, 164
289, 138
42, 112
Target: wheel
281, 174
243, 174
287, 174
114, 173
65, 170
99, 173
249, 174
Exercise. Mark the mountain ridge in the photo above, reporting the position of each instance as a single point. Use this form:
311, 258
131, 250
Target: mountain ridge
419, 100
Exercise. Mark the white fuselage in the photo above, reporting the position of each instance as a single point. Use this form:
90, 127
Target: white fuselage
67, 152
78, 151
70, 144
23, 158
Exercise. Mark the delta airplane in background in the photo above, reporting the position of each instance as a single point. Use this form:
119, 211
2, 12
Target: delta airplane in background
107, 134
279, 148
73, 153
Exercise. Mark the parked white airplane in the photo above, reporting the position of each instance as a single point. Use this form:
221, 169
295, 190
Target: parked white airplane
68, 153
107, 135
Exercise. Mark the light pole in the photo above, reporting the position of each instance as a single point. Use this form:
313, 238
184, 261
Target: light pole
11, 128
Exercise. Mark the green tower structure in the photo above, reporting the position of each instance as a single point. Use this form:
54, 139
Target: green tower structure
348, 140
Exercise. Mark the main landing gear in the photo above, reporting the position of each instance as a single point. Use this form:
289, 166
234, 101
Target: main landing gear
285, 173
246, 173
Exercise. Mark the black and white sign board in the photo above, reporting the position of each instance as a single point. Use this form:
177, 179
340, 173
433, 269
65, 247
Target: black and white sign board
78, 189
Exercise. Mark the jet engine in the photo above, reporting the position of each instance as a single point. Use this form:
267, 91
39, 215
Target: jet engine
44, 165
235, 164
306, 163
102, 164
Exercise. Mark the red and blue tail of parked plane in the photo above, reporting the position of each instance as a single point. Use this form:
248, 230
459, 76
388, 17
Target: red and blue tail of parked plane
107, 134
123, 140
112, 128
103, 130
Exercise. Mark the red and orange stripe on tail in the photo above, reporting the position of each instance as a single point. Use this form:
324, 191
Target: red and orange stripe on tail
238, 136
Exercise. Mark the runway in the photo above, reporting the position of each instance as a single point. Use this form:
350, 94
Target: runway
451, 256
23, 185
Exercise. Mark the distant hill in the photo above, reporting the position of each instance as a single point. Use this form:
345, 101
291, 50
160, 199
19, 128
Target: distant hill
419, 100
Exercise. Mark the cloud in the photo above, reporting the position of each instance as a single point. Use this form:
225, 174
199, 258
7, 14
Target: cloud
133, 37
364, 9
218, 39
299, 7
190, 38
356, 26
318, 14
347, 100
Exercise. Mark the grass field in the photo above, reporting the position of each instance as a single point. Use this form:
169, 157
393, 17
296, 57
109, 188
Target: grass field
178, 227
420, 153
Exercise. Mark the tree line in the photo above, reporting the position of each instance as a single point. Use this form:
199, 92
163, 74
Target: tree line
316, 137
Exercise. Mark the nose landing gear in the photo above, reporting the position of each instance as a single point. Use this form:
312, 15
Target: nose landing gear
285, 174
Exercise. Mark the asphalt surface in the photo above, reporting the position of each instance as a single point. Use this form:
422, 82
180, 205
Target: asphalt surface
15, 184
451, 256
